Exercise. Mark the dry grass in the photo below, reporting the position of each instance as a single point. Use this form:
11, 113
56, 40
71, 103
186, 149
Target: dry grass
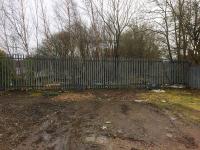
184, 103
75, 96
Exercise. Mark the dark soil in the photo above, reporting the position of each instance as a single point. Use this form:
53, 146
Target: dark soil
91, 120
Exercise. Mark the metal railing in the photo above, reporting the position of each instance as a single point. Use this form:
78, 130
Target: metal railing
21, 72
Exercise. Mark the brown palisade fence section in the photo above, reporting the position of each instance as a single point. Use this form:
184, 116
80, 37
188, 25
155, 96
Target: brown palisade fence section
19, 72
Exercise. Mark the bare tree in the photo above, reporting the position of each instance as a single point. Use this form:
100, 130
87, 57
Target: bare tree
23, 31
178, 23
46, 29
116, 16
192, 26
44, 18
15, 13
178, 14
36, 21
66, 15
96, 26
4, 29
8, 36
162, 19
69, 22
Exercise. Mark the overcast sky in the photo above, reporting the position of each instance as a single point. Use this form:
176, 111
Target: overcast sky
49, 7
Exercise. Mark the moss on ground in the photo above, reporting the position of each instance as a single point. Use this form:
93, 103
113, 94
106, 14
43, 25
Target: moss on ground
184, 103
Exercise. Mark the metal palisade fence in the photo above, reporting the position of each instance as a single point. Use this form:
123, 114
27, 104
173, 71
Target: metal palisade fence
194, 77
21, 72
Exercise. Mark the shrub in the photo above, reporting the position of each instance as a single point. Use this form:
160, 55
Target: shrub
6, 71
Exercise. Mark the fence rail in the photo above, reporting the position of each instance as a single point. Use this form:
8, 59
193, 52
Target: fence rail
74, 73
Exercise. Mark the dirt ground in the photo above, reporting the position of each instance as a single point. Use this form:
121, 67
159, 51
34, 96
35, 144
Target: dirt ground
91, 120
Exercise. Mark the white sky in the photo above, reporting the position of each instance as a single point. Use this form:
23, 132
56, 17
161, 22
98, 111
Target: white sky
49, 6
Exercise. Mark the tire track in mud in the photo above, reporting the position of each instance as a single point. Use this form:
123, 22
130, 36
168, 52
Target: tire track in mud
70, 126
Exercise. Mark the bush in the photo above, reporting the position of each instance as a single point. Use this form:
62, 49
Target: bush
6, 71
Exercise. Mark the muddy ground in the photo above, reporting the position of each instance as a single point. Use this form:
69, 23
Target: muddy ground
91, 120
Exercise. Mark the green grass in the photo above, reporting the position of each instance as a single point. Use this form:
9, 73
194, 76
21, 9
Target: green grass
184, 103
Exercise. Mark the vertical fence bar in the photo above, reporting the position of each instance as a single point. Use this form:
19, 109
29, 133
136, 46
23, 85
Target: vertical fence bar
26, 72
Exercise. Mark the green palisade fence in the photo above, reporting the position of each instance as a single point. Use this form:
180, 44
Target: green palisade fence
194, 77
21, 72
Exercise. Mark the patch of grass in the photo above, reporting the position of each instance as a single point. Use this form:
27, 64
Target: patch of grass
39, 93
185, 103
36, 94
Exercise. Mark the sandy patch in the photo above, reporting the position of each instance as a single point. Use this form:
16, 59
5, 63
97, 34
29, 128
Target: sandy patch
73, 96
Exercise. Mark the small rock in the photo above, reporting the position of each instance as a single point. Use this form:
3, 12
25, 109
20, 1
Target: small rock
169, 135
173, 118
159, 91
163, 101
139, 101
104, 127
108, 122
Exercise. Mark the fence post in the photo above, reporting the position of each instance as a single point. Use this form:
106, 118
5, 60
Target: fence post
94, 73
